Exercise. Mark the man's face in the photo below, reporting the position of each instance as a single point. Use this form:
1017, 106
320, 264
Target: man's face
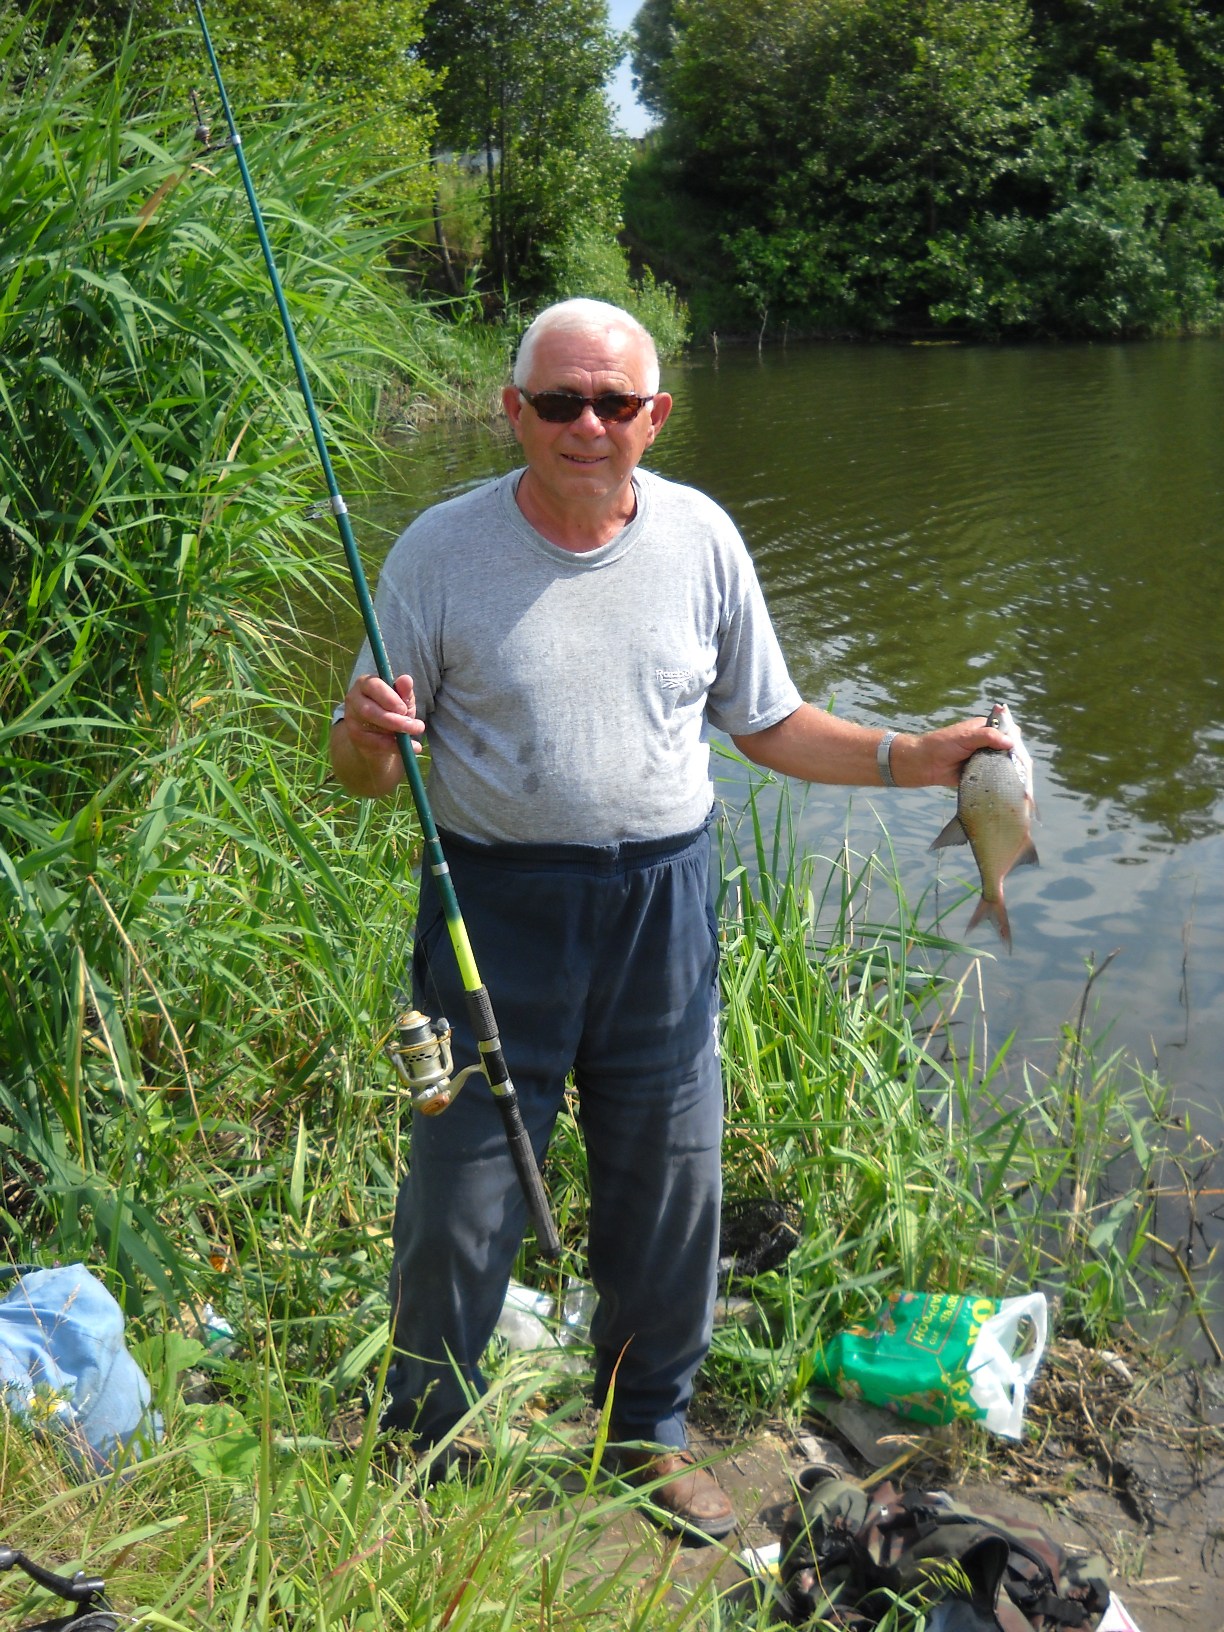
589, 460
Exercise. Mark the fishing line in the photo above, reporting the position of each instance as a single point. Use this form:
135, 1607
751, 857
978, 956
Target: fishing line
479, 1007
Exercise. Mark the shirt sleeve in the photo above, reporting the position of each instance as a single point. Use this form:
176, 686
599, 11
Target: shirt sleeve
752, 689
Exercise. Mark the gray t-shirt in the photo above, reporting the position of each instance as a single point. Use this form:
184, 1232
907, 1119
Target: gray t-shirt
566, 696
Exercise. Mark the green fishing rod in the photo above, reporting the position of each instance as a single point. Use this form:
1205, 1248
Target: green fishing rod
423, 1057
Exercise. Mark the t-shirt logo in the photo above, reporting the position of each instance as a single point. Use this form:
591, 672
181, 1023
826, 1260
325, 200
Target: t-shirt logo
674, 679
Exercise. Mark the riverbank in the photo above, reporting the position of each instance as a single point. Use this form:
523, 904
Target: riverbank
1119, 1460
273, 1206
224, 1526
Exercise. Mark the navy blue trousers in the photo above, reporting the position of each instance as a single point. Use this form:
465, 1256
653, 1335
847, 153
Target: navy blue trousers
603, 962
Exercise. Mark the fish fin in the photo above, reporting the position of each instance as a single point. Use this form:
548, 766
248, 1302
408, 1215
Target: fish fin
1027, 856
997, 913
953, 833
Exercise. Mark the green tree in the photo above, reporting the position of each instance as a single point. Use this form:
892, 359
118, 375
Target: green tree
851, 170
1155, 68
523, 93
362, 57
653, 38
1090, 243
886, 164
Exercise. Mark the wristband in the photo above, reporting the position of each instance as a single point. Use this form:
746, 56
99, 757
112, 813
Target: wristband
883, 765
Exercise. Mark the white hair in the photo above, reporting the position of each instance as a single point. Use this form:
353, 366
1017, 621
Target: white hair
581, 316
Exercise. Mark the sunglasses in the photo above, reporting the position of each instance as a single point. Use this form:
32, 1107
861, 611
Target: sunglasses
564, 407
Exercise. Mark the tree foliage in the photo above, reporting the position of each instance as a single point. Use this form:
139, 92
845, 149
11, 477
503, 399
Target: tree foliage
522, 91
985, 164
653, 41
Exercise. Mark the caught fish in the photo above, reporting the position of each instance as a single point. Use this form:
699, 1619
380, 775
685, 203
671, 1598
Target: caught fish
994, 816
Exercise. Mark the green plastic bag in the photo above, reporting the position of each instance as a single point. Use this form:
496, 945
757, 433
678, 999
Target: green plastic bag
934, 1357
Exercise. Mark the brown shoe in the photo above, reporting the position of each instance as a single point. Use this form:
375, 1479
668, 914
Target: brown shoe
691, 1500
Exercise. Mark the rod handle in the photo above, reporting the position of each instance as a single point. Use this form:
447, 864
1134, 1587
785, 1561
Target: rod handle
547, 1240
480, 1015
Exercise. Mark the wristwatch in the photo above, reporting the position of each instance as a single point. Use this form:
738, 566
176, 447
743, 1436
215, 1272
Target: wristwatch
883, 762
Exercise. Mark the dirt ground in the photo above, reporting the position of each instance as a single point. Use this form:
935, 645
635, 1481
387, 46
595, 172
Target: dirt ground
1129, 1466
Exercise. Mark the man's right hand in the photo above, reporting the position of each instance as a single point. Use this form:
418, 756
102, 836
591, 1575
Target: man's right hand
364, 752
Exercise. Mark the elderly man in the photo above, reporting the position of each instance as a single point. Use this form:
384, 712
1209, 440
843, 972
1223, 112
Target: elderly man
567, 634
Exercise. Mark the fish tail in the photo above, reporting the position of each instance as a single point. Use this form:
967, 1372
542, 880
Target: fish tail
997, 913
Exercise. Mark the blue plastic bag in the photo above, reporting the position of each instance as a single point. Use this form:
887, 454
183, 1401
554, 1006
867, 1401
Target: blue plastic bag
64, 1365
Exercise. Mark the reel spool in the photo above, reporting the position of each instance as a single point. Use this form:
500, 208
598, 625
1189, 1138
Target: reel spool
421, 1055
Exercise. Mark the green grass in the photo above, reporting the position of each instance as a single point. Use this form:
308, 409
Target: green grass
233, 1524
202, 947
907, 1173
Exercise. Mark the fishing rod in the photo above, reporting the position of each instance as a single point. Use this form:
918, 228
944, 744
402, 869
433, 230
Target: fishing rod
423, 1057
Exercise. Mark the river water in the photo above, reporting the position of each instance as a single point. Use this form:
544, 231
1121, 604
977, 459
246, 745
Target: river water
938, 527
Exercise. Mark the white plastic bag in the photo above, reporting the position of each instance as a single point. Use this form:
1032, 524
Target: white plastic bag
1000, 1377
521, 1322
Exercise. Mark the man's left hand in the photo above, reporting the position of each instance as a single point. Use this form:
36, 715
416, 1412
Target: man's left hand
935, 758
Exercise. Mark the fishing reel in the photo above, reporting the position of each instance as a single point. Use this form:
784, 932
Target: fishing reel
421, 1055
87, 1592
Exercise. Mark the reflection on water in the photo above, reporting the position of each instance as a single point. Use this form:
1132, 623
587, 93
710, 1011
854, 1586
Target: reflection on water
937, 526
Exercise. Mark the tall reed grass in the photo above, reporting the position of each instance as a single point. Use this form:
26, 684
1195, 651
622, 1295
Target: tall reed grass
155, 476
201, 948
